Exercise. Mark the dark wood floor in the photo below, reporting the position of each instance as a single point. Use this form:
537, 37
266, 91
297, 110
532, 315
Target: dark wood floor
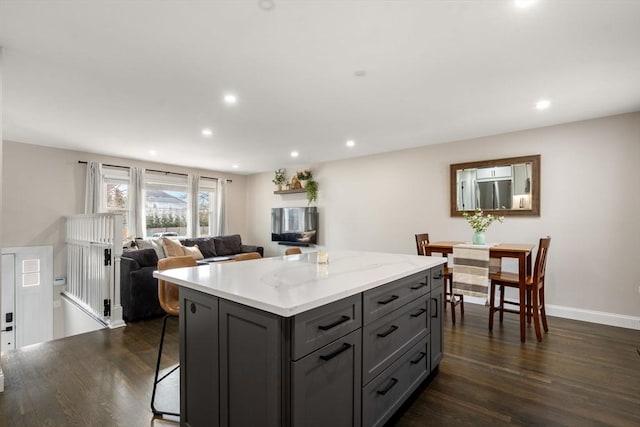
581, 374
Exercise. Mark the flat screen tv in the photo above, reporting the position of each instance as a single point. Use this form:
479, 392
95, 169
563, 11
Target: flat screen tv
294, 226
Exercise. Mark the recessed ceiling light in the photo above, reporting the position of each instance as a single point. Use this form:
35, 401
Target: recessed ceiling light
543, 104
351, 143
360, 73
523, 3
152, 152
230, 99
235, 166
207, 132
294, 154
266, 5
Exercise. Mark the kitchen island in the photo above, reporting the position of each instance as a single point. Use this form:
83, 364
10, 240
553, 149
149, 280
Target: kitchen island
286, 341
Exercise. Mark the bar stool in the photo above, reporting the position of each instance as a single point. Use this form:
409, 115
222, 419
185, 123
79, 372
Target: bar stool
247, 256
168, 297
292, 251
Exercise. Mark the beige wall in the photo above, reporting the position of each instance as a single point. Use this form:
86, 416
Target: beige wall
590, 203
42, 185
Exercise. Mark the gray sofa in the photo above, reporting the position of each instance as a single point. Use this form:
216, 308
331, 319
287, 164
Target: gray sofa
138, 287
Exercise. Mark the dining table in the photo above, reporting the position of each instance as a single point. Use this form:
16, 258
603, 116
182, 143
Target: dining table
520, 251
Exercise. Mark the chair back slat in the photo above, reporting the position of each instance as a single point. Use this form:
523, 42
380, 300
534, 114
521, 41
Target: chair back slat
421, 240
541, 260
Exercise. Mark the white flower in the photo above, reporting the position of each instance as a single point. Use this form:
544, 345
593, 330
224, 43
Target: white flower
479, 222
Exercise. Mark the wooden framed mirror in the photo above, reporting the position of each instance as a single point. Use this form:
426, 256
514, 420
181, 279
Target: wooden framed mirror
508, 187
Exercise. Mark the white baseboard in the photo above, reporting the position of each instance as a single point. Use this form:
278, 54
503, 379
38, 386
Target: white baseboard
600, 317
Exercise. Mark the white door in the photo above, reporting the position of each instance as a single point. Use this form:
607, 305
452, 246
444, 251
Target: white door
33, 294
7, 298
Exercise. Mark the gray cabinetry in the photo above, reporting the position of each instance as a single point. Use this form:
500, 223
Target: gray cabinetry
384, 395
320, 326
384, 299
437, 325
326, 385
391, 335
198, 359
350, 363
250, 366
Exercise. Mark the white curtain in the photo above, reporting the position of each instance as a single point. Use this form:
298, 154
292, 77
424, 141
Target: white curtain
137, 220
221, 205
93, 188
193, 223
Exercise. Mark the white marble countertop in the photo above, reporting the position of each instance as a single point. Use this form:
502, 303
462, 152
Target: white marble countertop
293, 284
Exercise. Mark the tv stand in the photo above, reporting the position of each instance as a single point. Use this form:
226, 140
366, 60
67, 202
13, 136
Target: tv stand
294, 244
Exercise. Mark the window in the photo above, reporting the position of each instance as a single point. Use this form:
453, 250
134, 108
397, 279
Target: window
30, 272
116, 184
207, 207
166, 201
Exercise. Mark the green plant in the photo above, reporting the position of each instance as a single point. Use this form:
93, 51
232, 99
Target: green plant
312, 191
305, 175
479, 222
280, 178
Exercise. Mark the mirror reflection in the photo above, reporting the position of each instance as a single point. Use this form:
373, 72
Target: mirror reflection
506, 186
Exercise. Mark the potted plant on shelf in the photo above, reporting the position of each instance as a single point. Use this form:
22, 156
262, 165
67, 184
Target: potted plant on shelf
312, 191
479, 222
304, 177
280, 179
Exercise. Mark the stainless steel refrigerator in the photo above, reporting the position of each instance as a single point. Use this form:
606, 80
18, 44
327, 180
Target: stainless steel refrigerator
494, 194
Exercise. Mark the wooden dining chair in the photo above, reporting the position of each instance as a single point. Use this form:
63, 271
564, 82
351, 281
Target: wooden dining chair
534, 305
247, 256
450, 299
168, 297
292, 251
421, 240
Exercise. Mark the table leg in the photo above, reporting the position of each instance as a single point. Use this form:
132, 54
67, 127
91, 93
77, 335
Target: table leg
522, 278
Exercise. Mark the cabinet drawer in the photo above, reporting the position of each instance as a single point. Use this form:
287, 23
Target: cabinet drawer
318, 327
385, 394
326, 385
384, 299
437, 276
386, 338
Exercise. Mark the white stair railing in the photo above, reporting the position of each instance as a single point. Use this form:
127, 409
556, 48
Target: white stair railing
94, 249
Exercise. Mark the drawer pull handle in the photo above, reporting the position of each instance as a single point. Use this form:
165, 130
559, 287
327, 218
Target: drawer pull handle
438, 277
420, 357
388, 387
418, 286
391, 329
330, 356
435, 312
334, 324
419, 313
388, 300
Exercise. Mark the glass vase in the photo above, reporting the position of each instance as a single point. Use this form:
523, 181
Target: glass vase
478, 238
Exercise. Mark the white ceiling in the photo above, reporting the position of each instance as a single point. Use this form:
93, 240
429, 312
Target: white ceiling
126, 77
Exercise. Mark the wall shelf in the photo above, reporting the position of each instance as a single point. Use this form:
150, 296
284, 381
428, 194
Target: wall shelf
301, 190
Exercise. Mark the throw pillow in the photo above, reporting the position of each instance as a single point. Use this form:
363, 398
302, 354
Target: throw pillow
173, 247
144, 257
194, 251
155, 244
205, 244
228, 245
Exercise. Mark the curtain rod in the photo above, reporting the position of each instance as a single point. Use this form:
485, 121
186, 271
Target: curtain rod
82, 162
